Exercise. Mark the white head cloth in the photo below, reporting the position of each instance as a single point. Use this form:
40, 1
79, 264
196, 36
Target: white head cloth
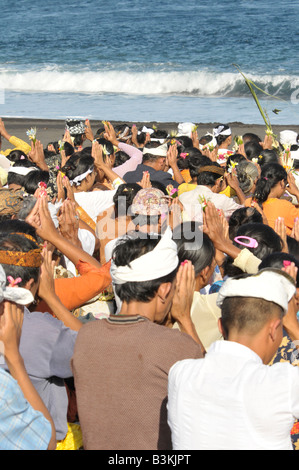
147, 130
269, 284
288, 137
80, 178
159, 262
220, 130
160, 151
18, 295
213, 142
22, 170
185, 128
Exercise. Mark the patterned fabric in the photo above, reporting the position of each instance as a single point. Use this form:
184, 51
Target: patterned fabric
10, 201
21, 427
150, 201
287, 353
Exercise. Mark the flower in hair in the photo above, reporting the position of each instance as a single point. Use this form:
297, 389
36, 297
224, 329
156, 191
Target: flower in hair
286, 263
14, 282
184, 155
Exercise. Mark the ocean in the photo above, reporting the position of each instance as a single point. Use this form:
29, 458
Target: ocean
140, 60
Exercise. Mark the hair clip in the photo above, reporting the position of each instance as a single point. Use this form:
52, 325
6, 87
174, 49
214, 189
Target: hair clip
252, 241
14, 282
265, 178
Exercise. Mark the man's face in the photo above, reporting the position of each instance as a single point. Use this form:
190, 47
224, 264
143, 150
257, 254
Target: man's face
162, 163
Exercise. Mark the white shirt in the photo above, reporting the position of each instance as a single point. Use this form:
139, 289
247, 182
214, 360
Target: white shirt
95, 202
192, 207
230, 400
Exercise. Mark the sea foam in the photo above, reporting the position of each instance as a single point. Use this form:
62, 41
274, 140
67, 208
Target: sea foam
193, 83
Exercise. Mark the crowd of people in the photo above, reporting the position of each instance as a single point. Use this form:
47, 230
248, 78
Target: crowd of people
149, 289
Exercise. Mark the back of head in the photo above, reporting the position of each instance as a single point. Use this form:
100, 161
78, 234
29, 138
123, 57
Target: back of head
244, 215
194, 245
265, 241
251, 137
16, 155
252, 150
123, 198
268, 156
195, 162
208, 175
247, 174
129, 250
279, 261
222, 132
248, 302
33, 179
20, 257
271, 175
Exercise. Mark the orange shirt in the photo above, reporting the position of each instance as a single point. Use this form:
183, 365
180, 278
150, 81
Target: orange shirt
274, 208
76, 291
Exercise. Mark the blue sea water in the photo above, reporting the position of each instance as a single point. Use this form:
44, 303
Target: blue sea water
140, 60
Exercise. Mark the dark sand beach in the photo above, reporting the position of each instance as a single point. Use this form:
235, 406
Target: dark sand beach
53, 130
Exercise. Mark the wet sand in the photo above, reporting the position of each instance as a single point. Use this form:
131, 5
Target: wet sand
53, 130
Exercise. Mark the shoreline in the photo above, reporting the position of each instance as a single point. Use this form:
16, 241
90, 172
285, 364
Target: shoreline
49, 130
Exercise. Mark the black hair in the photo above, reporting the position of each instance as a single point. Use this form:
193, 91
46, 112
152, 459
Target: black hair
268, 242
248, 314
77, 165
252, 150
16, 155
205, 139
185, 141
268, 156
208, 178
194, 245
78, 139
123, 198
120, 158
293, 247
241, 216
68, 149
17, 226
32, 180
235, 158
184, 157
271, 175
123, 254
159, 185
14, 178
251, 137
109, 146
19, 243
195, 162
275, 260
222, 138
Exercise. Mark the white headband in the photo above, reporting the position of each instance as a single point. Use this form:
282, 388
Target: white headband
220, 131
159, 151
21, 170
159, 262
268, 284
212, 143
80, 178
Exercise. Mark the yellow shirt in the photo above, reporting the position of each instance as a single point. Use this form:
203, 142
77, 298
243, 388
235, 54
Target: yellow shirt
18, 144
